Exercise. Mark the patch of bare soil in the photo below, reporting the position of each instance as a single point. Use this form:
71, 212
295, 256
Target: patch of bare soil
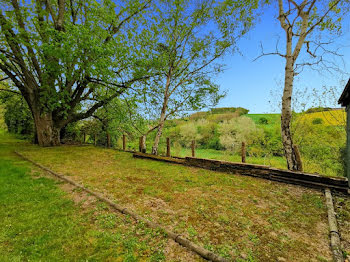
81, 198
157, 204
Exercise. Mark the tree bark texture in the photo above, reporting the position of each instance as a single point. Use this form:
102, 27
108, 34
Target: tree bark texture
47, 133
290, 56
286, 116
162, 115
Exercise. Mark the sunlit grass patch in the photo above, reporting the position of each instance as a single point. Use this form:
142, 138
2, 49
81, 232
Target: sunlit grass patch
41, 222
238, 217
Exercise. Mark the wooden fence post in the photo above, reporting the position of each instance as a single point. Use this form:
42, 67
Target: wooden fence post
124, 142
243, 152
193, 146
95, 140
168, 147
108, 140
298, 157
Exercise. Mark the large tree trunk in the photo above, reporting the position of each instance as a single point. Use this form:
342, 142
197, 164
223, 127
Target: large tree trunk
286, 116
47, 133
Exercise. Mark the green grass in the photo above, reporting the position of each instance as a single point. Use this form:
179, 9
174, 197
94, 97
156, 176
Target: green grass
40, 222
238, 217
272, 119
278, 162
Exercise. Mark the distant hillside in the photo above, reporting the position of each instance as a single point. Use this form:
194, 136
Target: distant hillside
320, 115
265, 119
324, 116
321, 109
219, 114
334, 117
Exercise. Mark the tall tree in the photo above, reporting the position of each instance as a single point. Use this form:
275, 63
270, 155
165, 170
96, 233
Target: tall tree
306, 26
189, 38
61, 56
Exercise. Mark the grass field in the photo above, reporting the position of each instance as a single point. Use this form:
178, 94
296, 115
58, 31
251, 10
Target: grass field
241, 218
44, 220
278, 162
271, 118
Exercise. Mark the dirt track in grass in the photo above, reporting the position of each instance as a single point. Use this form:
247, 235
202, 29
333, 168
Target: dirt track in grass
242, 218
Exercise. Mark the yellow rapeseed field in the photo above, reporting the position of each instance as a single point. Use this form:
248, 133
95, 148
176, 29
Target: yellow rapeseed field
330, 118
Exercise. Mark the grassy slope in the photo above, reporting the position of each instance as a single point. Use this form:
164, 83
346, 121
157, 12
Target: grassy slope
330, 118
333, 117
274, 161
239, 217
40, 222
271, 118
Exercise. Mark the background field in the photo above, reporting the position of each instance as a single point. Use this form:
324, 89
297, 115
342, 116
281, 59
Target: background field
320, 137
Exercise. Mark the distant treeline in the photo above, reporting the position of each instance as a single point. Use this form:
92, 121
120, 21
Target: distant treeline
229, 112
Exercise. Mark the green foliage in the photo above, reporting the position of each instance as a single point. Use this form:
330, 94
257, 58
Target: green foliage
320, 145
17, 115
317, 121
263, 121
119, 117
2, 121
236, 131
75, 63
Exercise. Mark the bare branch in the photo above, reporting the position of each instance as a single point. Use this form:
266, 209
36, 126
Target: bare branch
267, 54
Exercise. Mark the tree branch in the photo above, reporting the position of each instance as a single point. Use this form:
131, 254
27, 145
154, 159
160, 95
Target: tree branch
9, 90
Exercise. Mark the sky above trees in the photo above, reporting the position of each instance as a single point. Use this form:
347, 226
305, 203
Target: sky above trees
251, 84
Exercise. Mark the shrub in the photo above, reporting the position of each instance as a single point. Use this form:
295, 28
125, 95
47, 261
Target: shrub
263, 121
17, 115
237, 130
188, 133
317, 121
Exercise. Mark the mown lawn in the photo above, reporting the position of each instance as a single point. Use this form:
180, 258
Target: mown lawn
242, 218
44, 220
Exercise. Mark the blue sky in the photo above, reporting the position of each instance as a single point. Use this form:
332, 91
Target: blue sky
249, 84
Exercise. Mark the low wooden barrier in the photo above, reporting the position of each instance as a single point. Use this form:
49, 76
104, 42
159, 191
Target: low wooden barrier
260, 171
